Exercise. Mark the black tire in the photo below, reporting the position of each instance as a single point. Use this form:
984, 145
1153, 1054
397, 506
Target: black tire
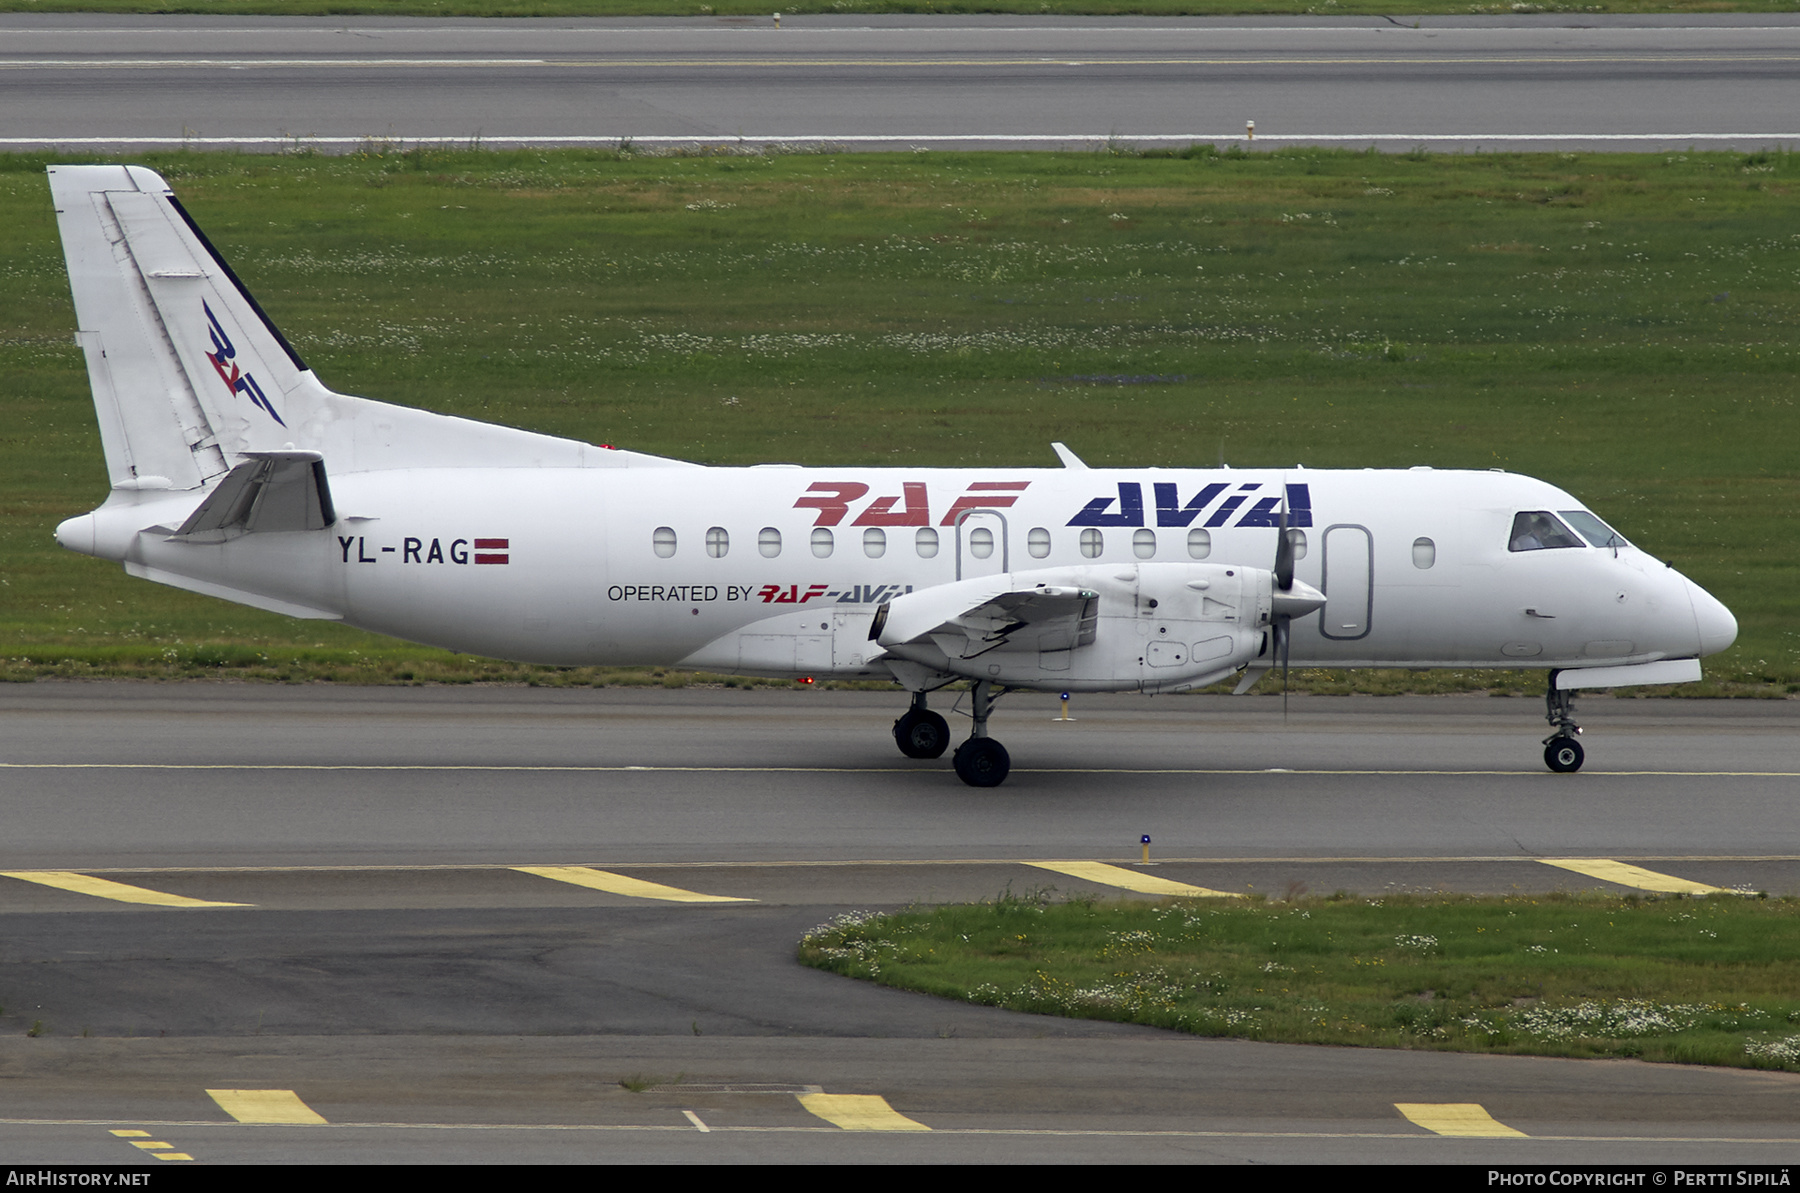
982, 762
1564, 755
922, 734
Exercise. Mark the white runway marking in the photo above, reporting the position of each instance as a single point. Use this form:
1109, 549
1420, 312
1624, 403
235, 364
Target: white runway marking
795, 863
789, 62
1126, 1133
968, 139
875, 770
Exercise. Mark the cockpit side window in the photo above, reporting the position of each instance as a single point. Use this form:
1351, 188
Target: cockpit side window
1538, 530
1593, 529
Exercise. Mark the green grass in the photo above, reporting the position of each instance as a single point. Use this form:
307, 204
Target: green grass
762, 9
1697, 981
1621, 325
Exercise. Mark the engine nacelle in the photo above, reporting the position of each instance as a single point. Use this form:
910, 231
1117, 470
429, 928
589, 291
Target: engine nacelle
1148, 626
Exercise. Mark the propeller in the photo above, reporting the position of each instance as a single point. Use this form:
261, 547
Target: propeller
1291, 599
1280, 624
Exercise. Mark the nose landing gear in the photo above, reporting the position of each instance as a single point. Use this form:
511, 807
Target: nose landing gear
1562, 753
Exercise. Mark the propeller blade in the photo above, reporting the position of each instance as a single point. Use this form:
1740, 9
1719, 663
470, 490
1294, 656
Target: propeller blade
1284, 552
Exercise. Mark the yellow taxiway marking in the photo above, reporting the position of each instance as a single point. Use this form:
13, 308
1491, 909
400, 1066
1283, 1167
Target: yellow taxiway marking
106, 888
1131, 880
157, 1148
1637, 876
859, 1112
1456, 1118
264, 1106
618, 884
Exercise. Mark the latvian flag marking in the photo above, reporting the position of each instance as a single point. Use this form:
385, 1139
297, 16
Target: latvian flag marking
486, 545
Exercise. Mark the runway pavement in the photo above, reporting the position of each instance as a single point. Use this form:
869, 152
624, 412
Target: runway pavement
1581, 81
486, 924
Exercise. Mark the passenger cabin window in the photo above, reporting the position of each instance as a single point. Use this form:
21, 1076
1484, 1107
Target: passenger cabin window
1143, 543
1539, 530
1298, 538
1424, 554
663, 540
1593, 529
821, 543
981, 542
1092, 543
927, 542
1199, 543
717, 542
1038, 542
768, 541
874, 542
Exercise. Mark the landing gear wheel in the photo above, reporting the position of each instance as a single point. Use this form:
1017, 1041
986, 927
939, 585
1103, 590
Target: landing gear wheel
982, 762
921, 734
1564, 755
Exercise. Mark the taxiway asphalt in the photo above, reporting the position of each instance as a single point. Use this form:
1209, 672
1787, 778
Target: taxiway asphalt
405, 957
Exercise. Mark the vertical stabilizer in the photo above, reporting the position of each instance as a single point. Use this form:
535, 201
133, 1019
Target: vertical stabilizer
188, 373
191, 378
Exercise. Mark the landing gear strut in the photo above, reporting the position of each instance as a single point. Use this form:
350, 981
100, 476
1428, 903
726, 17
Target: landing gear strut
981, 761
921, 733
1562, 753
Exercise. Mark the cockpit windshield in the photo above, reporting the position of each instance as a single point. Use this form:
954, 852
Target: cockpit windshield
1593, 529
1538, 530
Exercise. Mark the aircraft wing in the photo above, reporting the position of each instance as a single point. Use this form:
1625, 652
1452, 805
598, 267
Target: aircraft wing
966, 624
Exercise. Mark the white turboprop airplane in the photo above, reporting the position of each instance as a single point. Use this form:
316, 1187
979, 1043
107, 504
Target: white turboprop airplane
219, 442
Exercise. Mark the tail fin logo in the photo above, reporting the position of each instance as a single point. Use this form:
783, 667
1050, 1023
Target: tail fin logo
224, 362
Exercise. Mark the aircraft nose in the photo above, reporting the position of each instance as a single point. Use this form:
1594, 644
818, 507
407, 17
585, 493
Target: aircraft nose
1718, 628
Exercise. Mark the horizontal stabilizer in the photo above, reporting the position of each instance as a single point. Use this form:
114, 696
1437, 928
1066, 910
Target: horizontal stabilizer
270, 491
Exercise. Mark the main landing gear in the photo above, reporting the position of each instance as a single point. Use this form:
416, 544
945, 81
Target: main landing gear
980, 761
1562, 753
921, 733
